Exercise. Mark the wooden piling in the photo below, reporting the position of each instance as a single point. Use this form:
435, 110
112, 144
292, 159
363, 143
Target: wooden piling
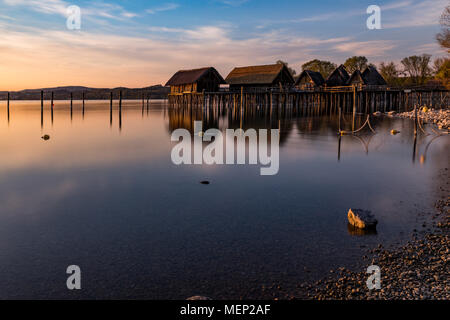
7, 106
83, 104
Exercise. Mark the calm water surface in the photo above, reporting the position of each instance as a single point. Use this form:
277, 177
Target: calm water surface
110, 200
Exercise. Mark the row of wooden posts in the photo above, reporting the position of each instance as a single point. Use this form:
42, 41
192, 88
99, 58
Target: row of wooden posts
83, 100
321, 102
145, 104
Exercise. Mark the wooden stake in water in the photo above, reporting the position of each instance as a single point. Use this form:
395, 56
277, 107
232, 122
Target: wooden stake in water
71, 105
110, 108
83, 104
354, 108
120, 110
42, 108
51, 106
7, 106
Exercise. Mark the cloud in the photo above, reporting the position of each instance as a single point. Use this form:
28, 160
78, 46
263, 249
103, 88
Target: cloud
414, 14
166, 7
233, 3
375, 48
106, 60
59, 7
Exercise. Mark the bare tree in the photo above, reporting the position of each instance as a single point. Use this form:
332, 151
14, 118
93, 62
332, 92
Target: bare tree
390, 73
417, 67
444, 36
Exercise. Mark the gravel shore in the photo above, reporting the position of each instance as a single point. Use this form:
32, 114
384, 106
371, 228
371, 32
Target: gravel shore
418, 270
441, 118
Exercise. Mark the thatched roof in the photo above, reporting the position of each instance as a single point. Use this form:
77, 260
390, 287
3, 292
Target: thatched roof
258, 75
191, 76
316, 77
339, 77
357, 75
372, 77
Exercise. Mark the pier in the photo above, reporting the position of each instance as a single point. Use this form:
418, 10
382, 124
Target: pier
324, 101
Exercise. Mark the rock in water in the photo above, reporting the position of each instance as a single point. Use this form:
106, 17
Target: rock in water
362, 219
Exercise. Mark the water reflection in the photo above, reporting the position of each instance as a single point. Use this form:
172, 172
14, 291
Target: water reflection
353, 231
126, 212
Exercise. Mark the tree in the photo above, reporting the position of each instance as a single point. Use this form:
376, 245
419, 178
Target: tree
444, 36
417, 67
443, 71
356, 63
292, 71
390, 73
324, 67
438, 63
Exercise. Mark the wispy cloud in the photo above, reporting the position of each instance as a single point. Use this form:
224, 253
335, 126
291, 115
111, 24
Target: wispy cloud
375, 48
59, 7
416, 14
233, 3
96, 59
166, 7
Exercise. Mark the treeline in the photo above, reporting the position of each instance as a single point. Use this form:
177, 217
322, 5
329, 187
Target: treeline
412, 71
64, 93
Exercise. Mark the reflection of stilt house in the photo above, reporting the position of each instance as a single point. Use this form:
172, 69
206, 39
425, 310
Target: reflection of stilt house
263, 77
195, 81
309, 81
370, 77
339, 77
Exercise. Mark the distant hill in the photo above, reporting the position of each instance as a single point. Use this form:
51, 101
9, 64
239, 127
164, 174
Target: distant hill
63, 93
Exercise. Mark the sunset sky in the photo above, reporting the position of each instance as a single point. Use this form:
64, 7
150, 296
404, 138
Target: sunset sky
140, 43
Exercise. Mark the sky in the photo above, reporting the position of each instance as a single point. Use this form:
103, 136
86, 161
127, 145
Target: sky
136, 43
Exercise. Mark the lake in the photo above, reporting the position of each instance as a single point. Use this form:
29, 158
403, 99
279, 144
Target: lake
106, 196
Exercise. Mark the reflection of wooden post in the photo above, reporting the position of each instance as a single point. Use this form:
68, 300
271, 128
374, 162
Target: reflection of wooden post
415, 121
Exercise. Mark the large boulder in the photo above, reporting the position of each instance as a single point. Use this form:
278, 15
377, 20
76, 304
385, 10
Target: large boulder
362, 219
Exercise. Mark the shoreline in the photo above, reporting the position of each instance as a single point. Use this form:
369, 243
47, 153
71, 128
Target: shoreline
440, 118
414, 271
